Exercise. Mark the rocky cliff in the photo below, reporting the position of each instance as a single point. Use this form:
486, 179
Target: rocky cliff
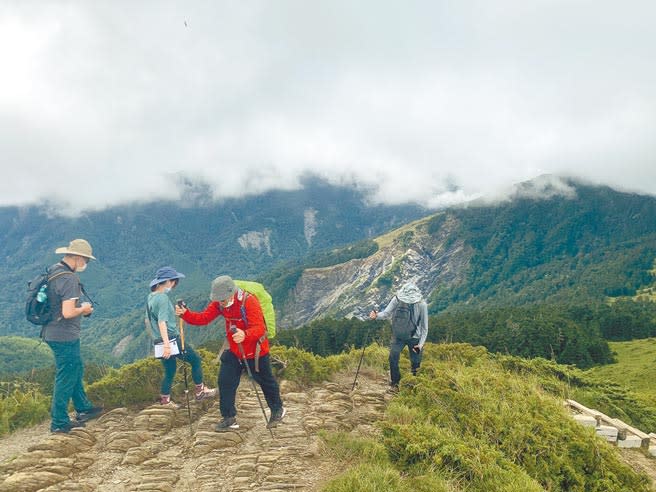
431, 259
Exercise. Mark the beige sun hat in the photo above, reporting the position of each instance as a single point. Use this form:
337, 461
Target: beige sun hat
79, 247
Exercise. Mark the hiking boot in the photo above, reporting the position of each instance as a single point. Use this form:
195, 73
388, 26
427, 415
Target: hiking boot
276, 417
165, 401
92, 413
227, 424
393, 388
203, 392
67, 428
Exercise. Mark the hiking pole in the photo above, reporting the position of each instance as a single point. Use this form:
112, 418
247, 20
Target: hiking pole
182, 304
233, 330
364, 347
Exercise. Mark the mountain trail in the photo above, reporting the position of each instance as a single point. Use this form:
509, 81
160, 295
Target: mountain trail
152, 449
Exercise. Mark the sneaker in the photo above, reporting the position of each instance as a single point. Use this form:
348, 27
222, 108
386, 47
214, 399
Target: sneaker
165, 401
67, 428
393, 388
205, 392
227, 424
276, 416
92, 413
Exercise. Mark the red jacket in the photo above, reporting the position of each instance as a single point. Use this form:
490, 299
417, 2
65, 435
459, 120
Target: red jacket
255, 329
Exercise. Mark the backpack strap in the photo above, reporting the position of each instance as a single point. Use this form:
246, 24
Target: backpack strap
52, 296
150, 315
242, 295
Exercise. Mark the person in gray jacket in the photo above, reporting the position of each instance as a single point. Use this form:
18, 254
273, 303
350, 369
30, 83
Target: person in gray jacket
409, 314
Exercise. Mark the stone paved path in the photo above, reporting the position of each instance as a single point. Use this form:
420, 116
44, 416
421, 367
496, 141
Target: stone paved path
152, 450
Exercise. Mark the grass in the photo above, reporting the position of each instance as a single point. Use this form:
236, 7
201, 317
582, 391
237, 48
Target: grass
474, 421
471, 421
634, 368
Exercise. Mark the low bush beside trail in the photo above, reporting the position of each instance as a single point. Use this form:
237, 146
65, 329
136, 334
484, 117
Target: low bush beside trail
479, 422
21, 405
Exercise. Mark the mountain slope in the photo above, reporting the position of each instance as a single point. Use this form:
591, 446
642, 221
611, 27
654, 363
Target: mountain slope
200, 238
592, 243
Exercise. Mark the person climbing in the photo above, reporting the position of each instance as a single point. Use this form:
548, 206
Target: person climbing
409, 314
163, 325
246, 334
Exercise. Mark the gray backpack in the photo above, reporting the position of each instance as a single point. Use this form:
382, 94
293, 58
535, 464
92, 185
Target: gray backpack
404, 325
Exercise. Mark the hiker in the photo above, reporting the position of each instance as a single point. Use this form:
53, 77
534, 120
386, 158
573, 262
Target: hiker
409, 314
163, 324
62, 334
245, 330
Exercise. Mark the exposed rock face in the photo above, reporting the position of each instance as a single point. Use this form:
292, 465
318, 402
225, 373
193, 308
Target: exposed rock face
309, 224
153, 450
353, 288
121, 346
258, 240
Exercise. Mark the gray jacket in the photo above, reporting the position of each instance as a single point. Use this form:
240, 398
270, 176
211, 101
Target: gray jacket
420, 314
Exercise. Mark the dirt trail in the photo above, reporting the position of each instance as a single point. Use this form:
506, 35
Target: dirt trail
152, 450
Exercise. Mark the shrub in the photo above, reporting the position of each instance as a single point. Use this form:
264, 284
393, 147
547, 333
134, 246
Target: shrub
498, 430
21, 405
139, 382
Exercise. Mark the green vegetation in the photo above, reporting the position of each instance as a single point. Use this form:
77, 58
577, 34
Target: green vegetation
19, 355
200, 238
627, 319
600, 243
21, 405
477, 422
329, 336
139, 382
470, 421
551, 332
634, 369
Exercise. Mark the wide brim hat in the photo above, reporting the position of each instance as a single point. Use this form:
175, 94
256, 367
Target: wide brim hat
78, 247
223, 288
164, 274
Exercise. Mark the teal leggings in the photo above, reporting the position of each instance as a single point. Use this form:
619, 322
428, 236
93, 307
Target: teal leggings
170, 366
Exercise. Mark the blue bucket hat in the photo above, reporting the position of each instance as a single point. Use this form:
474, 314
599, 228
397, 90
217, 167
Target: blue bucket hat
164, 274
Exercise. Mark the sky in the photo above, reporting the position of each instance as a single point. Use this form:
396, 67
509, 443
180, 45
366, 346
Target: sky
433, 102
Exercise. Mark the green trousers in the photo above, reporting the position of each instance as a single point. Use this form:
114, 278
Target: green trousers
68, 382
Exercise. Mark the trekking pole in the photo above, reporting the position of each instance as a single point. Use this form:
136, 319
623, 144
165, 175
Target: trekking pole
233, 330
182, 304
364, 347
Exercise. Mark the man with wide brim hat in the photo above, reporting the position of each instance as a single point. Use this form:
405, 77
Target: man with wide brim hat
77, 247
62, 335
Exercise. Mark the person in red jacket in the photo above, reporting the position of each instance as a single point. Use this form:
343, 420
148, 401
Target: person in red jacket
249, 331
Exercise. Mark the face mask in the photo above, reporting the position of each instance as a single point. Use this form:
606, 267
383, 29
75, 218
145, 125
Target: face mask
167, 289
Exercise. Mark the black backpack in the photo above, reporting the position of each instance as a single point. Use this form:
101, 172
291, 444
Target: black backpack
40, 299
404, 325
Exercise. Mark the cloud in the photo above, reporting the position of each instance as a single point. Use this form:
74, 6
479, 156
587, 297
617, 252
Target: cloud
434, 102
